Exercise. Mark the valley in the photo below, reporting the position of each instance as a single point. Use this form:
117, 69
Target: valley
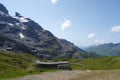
14, 65
24, 42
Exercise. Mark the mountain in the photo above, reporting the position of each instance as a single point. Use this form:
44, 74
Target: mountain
25, 35
109, 49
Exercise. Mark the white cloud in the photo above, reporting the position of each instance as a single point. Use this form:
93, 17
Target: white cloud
97, 42
54, 1
91, 35
65, 24
115, 28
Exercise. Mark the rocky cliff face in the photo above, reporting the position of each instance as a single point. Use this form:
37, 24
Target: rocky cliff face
3, 8
25, 35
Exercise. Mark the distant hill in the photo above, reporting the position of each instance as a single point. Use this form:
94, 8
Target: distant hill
109, 49
103, 63
25, 35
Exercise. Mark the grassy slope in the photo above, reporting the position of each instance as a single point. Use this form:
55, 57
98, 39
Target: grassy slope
14, 65
106, 63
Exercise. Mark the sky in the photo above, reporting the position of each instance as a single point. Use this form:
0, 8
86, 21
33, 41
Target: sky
82, 22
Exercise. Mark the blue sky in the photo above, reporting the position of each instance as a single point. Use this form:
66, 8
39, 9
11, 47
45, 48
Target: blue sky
83, 22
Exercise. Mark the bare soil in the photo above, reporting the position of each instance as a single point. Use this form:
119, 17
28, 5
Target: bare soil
60, 75
76, 75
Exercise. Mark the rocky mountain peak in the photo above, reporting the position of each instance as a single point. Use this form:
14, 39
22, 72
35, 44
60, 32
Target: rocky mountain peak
25, 35
18, 14
3, 8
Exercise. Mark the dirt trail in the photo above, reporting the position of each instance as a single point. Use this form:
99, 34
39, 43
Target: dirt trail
76, 75
61, 75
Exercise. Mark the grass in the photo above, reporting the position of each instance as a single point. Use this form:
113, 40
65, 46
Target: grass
13, 65
105, 63
15, 74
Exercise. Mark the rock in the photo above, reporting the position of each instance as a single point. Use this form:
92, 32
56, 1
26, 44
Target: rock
18, 14
3, 8
25, 35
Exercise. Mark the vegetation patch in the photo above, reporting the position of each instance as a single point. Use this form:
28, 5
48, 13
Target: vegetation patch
104, 63
13, 65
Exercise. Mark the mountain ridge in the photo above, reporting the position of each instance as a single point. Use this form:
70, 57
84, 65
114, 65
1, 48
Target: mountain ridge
109, 49
25, 35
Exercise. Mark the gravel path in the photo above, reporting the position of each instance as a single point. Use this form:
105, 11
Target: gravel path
61, 75
76, 75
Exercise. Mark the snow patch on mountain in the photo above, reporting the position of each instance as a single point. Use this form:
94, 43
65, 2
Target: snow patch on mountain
21, 19
21, 35
23, 28
10, 24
